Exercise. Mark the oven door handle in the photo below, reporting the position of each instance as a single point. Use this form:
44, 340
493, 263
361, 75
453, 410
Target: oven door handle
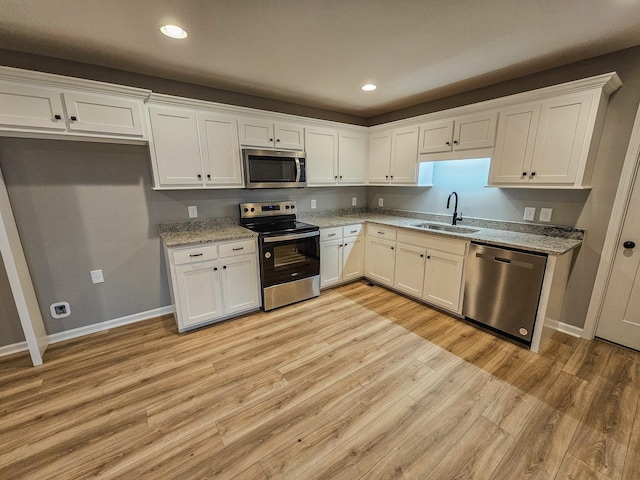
293, 236
297, 170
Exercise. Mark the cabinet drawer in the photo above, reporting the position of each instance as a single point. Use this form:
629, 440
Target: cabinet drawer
351, 230
330, 233
237, 248
381, 231
435, 242
195, 254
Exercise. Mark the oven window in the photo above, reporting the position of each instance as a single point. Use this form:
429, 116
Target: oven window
290, 260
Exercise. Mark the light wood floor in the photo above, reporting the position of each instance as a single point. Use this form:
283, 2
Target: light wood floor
358, 383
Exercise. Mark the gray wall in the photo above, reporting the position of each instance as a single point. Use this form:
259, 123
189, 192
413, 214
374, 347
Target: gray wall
10, 329
81, 206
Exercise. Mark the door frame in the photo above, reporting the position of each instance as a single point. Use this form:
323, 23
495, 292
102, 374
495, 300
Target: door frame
630, 175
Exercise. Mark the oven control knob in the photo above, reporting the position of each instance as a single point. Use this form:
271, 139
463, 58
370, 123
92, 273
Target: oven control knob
253, 209
246, 209
287, 207
293, 206
267, 255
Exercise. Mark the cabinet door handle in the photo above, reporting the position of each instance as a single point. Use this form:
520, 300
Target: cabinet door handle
533, 174
278, 140
335, 177
199, 176
73, 118
421, 255
391, 248
237, 249
331, 235
215, 269
339, 245
271, 139
380, 233
386, 176
524, 174
447, 143
455, 142
224, 267
57, 117
208, 176
428, 256
353, 231
196, 255
346, 244
340, 177
391, 177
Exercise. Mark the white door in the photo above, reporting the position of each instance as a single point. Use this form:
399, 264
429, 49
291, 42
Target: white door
379, 157
409, 273
175, 146
404, 156
322, 156
220, 150
443, 279
31, 107
379, 260
620, 317
255, 133
240, 283
352, 153
352, 258
200, 297
289, 137
330, 262
436, 137
104, 114
511, 162
475, 131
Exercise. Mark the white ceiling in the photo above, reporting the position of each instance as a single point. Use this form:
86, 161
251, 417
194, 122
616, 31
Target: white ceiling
319, 52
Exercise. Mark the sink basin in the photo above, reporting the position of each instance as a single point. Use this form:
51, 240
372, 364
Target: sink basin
446, 228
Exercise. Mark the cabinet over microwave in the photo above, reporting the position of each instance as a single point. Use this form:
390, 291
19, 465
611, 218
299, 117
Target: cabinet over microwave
274, 168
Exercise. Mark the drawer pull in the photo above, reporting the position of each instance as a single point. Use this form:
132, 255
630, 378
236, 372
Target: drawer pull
353, 231
237, 249
380, 233
196, 255
331, 235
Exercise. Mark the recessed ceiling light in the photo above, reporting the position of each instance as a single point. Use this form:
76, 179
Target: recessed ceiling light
173, 31
369, 87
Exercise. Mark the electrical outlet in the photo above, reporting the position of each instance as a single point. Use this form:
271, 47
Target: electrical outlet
354, 201
60, 310
545, 214
96, 276
529, 214
193, 211
381, 202
313, 203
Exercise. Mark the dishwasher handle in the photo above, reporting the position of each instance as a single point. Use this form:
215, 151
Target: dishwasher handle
504, 261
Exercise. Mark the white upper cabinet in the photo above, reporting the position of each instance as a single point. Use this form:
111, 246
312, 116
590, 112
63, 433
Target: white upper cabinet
548, 143
259, 133
62, 106
335, 157
322, 156
175, 150
467, 132
194, 149
352, 158
220, 150
393, 157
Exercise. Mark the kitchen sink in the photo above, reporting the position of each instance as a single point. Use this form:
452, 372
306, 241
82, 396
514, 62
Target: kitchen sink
445, 228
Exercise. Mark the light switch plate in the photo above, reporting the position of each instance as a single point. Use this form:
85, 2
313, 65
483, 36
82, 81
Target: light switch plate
545, 214
193, 211
313, 203
96, 276
529, 214
381, 202
354, 201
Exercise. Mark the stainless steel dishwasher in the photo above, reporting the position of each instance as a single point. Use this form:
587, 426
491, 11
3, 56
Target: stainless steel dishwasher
502, 289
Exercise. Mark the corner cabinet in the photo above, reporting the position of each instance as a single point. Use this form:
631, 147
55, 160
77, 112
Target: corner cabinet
213, 282
53, 106
393, 157
552, 143
193, 148
335, 157
341, 255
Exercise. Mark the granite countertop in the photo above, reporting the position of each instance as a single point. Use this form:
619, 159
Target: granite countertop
181, 234
547, 243
549, 239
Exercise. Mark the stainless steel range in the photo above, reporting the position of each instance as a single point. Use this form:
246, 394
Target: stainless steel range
289, 252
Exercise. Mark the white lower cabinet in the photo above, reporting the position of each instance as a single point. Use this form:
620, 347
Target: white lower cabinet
213, 282
425, 266
341, 255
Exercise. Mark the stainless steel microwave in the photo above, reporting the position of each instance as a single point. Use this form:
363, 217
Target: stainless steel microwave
274, 168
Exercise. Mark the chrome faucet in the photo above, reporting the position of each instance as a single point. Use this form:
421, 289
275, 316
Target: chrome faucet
456, 218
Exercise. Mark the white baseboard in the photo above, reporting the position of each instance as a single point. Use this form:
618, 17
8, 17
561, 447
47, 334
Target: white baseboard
97, 327
13, 348
563, 327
